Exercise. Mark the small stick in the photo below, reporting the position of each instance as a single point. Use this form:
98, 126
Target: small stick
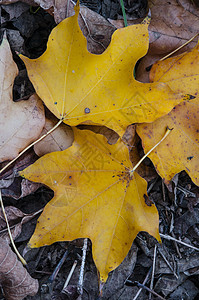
81, 275
141, 160
149, 290
10, 234
58, 267
170, 238
144, 282
167, 262
28, 147
176, 246
152, 185
69, 276
174, 51
153, 269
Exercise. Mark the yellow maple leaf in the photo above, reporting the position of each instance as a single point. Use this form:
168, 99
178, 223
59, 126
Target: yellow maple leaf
180, 151
98, 89
94, 196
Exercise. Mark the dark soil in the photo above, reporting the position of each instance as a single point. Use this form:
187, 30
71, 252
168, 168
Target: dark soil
177, 266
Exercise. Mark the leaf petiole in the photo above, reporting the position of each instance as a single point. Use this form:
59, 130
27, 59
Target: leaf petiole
141, 160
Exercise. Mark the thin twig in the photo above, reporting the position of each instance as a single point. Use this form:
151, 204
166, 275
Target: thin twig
170, 238
167, 262
81, 275
153, 269
179, 47
144, 282
149, 290
176, 246
10, 234
69, 276
58, 267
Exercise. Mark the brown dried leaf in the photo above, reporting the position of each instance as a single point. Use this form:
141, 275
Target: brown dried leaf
95, 28
173, 23
20, 122
11, 184
60, 139
16, 218
14, 278
30, 2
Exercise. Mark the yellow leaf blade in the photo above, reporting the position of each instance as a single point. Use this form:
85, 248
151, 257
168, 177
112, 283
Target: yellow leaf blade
94, 197
98, 89
180, 150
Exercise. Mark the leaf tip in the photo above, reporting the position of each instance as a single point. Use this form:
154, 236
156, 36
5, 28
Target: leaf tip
77, 7
147, 19
188, 97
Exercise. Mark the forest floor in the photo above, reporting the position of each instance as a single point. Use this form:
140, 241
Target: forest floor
176, 272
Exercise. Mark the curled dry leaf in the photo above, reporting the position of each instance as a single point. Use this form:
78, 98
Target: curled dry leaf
94, 196
14, 278
10, 182
180, 151
16, 218
20, 122
13, 215
97, 89
60, 139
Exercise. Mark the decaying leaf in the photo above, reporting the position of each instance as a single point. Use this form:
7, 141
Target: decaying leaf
60, 139
20, 122
16, 218
172, 24
13, 215
30, 2
11, 184
94, 197
97, 89
14, 278
180, 151
95, 28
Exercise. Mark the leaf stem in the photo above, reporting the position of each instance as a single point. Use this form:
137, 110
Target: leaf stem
28, 147
10, 234
124, 13
141, 160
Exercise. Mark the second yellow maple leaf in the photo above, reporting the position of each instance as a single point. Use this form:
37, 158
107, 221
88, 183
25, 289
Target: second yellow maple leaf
94, 197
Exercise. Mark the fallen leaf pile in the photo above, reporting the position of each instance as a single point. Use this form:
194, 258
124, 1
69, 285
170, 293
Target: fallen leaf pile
96, 192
